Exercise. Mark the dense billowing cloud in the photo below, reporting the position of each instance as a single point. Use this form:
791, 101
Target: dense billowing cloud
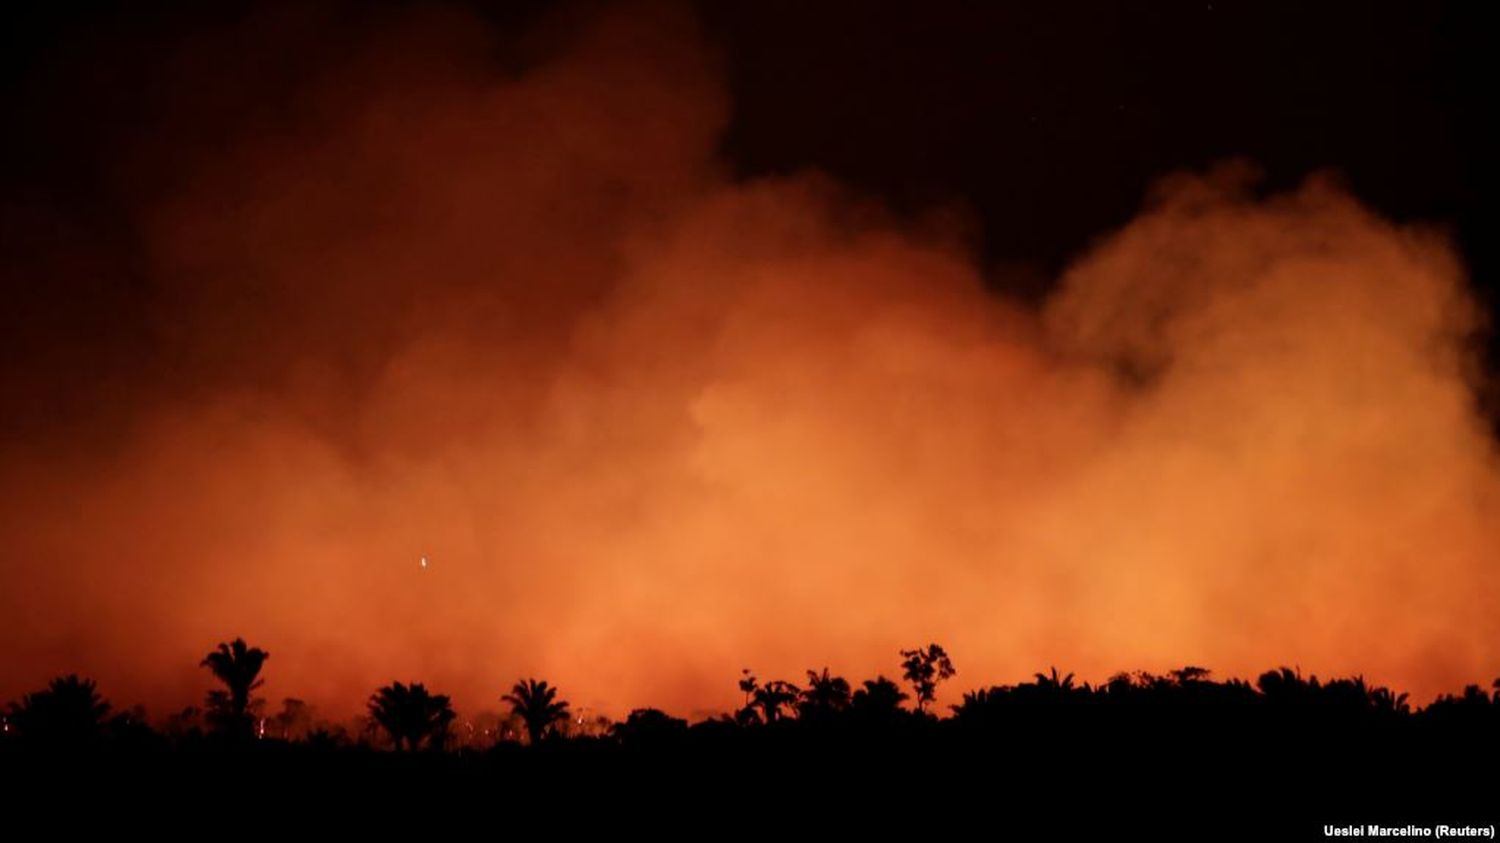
650, 424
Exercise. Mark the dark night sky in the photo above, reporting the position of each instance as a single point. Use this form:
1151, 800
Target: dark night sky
1050, 120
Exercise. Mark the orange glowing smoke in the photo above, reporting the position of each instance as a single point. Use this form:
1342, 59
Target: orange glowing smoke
649, 425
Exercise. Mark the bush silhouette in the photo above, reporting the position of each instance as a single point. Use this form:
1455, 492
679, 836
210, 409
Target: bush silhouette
69, 712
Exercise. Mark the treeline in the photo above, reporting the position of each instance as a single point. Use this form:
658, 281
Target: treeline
408, 717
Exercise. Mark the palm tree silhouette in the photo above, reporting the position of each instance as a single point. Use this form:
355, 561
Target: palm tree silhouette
1283, 686
538, 707
1063, 684
824, 697
773, 696
747, 715
238, 666
1387, 701
978, 704
411, 715
68, 711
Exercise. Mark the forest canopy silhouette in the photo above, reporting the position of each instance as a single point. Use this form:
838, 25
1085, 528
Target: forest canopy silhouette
71, 714
1167, 752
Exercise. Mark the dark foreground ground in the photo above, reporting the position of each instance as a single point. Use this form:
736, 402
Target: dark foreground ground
1156, 777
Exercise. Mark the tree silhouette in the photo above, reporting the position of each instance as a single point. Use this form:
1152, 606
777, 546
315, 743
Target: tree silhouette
650, 726
238, 666
1184, 675
748, 684
878, 701
978, 704
747, 715
538, 707
1058, 686
1350, 694
772, 697
824, 697
294, 719
1386, 701
69, 711
924, 668
1287, 687
411, 715
183, 723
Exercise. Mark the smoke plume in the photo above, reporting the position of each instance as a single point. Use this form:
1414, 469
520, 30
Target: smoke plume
416, 292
